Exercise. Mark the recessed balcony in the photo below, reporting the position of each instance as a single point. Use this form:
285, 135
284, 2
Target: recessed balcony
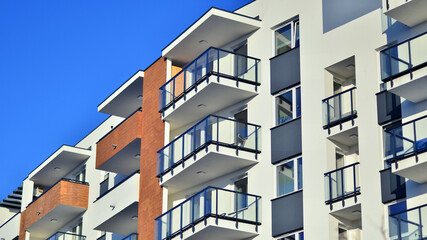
408, 12
119, 150
339, 111
58, 205
405, 148
404, 68
342, 186
212, 213
214, 80
213, 147
119, 207
66, 236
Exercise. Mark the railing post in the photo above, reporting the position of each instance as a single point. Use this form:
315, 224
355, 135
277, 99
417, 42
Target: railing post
340, 110
351, 107
216, 206
180, 224
354, 183
421, 223
330, 190
410, 60
172, 155
217, 69
328, 116
256, 214
256, 142
342, 186
185, 81
217, 134
236, 196
415, 143
173, 91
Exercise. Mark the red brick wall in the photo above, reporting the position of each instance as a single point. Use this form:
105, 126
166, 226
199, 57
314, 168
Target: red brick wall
150, 194
122, 135
65, 193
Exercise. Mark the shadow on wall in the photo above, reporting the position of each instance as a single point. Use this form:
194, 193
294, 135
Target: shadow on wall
340, 12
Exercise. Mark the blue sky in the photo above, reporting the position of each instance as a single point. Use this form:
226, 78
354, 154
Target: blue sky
59, 59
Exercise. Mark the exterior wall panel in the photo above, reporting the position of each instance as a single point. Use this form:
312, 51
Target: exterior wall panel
393, 187
286, 141
287, 213
285, 70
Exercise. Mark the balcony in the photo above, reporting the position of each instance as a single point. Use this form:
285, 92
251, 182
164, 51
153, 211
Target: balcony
339, 110
405, 148
213, 147
214, 80
119, 207
404, 68
55, 207
409, 224
66, 236
119, 150
10, 228
342, 184
59, 165
408, 12
124, 100
212, 213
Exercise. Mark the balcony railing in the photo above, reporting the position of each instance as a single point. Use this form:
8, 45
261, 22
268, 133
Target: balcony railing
210, 202
132, 236
211, 130
405, 140
339, 108
213, 61
62, 179
342, 183
66, 236
409, 224
404, 58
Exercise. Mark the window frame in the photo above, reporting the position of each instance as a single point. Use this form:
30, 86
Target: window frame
293, 23
296, 176
294, 104
296, 234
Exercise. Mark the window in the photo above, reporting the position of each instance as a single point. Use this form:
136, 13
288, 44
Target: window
289, 176
287, 37
293, 236
288, 105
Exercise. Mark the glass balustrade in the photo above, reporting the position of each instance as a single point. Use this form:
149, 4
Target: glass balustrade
405, 140
409, 225
213, 61
342, 183
211, 130
66, 236
339, 108
210, 202
404, 57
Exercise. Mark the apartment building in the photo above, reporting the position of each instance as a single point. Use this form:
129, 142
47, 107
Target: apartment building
281, 120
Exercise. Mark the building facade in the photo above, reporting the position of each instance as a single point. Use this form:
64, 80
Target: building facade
280, 120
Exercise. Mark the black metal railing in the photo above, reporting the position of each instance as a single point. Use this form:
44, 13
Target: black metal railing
66, 236
211, 130
409, 224
342, 183
404, 58
62, 179
210, 202
213, 61
339, 108
405, 140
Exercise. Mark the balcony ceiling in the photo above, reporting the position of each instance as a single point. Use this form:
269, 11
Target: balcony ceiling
216, 27
125, 161
122, 222
346, 137
413, 90
65, 159
410, 13
124, 100
53, 221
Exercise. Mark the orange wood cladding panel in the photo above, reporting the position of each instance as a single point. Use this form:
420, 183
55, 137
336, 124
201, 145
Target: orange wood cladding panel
150, 194
64, 192
121, 136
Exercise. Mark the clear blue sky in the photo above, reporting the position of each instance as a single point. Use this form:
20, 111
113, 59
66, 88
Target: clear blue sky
59, 59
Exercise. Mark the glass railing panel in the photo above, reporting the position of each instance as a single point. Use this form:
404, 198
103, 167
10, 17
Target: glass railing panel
132, 236
403, 57
212, 61
342, 182
214, 202
215, 129
340, 107
405, 139
66, 236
